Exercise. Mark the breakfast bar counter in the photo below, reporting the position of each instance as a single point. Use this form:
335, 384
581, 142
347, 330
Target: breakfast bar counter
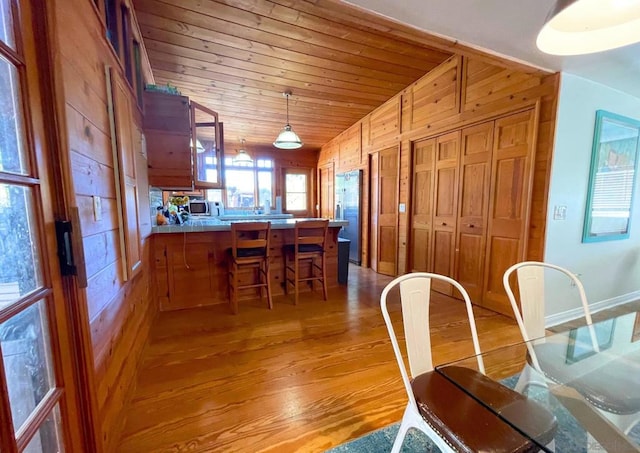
190, 261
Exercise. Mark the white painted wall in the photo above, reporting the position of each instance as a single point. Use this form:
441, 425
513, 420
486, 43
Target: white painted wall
610, 270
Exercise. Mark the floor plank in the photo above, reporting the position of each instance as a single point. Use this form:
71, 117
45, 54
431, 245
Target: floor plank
293, 379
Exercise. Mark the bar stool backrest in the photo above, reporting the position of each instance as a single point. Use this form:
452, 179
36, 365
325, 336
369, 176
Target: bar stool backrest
250, 239
311, 235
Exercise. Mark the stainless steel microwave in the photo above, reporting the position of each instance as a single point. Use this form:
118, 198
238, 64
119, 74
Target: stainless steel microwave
199, 207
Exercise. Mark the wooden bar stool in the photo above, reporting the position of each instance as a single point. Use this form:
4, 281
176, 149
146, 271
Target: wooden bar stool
310, 244
249, 250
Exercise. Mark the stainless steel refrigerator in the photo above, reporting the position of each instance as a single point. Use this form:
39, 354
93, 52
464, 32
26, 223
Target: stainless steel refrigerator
348, 195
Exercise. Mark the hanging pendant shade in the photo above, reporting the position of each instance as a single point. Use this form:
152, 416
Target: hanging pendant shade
287, 139
576, 27
242, 156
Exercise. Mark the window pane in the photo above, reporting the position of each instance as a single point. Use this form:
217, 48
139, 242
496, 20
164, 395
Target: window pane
296, 192
47, 439
214, 194
6, 24
296, 183
264, 188
296, 202
240, 188
27, 360
19, 250
12, 153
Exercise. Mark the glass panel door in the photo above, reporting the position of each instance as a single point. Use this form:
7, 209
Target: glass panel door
31, 392
207, 147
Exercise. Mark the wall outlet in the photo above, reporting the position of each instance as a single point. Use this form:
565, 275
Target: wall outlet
97, 208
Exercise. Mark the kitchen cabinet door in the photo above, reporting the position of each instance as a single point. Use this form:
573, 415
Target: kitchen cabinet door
167, 132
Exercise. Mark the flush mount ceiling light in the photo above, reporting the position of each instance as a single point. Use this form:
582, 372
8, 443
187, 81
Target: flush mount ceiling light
242, 156
576, 27
287, 139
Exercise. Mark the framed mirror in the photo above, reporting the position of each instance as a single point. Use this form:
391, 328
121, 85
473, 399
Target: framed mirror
614, 161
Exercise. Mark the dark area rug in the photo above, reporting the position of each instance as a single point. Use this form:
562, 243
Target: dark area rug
570, 437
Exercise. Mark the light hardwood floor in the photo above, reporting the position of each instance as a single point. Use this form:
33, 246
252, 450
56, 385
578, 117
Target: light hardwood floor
293, 379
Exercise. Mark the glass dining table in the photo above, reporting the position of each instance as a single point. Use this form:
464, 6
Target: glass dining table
587, 377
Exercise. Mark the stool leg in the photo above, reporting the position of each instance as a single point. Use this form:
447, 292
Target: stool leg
234, 299
268, 283
286, 275
324, 277
295, 278
260, 271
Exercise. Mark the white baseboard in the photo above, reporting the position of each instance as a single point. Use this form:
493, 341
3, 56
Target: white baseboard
570, 315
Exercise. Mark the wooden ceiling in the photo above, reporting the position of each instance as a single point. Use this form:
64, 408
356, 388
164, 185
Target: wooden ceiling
237, 57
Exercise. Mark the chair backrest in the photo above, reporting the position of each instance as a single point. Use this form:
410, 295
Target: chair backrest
415, 297
310, 233
530, 313
250, 236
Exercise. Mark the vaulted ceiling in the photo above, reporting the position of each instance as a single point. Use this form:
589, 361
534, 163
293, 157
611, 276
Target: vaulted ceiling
237, 57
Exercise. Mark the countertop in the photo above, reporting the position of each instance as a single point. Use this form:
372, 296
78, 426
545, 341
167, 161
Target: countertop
198, 224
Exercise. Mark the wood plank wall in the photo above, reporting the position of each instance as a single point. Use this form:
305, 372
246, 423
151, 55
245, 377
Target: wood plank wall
460, 92
120, 313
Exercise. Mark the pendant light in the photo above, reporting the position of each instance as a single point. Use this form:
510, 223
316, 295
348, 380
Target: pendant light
199, 148
287, 139
242, 156
576, 27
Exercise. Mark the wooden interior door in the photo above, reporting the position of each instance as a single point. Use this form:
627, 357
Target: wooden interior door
387, 216
445, 208
374, 184
422, 167
473, 203
326, 191
38, 402
509, 203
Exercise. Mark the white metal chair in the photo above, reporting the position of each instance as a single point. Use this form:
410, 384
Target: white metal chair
436, 406
529, 315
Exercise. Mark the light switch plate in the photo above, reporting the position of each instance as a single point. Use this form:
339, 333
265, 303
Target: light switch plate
559, 212
402, 207
97, 208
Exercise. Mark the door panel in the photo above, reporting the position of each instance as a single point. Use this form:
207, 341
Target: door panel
445, 209
475, 180
373, 211
36, 404
385, 193
326, 190
509, 203
423, 159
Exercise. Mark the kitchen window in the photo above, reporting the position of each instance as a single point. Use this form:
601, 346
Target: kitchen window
249, 185
297, 191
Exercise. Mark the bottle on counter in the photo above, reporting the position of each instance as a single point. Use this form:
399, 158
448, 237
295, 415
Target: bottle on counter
160, 218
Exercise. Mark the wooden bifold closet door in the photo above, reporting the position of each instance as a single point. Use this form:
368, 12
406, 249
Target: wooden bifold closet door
471, 191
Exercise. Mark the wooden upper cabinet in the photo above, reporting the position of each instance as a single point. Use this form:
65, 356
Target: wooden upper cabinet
208, 153
167, 129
